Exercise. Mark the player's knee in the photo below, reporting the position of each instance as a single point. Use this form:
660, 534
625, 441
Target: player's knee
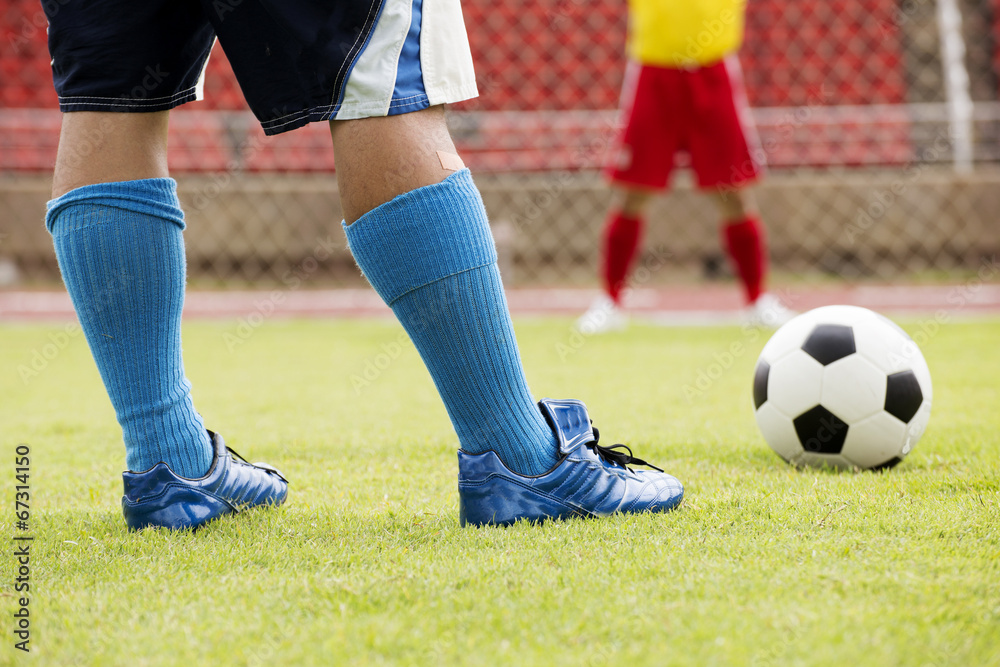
735, 203
632, 202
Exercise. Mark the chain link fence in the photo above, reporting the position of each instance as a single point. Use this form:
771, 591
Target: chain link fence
879, 121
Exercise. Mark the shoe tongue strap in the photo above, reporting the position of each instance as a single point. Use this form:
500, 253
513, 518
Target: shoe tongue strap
569, 419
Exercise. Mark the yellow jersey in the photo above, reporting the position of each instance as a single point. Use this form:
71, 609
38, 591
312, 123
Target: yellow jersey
684, 33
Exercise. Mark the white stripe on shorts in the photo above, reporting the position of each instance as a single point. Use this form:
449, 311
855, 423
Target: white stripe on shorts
445, 59
369, 88
743, 113
199, 88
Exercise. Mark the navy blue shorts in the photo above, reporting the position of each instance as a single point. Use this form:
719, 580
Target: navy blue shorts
296, 61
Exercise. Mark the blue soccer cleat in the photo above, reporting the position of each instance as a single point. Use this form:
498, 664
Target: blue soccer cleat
589, 481
160, 498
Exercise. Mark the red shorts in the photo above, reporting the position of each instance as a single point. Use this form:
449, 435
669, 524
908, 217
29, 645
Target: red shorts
702, 112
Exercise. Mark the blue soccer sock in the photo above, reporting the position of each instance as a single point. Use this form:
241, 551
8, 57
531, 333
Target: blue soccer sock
120, 248
429, 254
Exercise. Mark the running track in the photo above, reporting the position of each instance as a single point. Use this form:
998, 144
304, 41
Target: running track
689, 305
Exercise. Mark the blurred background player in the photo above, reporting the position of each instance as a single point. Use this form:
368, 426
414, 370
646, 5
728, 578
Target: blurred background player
414, 220
683, 91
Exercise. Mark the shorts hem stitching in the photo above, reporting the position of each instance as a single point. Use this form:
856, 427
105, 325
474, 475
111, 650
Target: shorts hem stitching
72, 103
138, 102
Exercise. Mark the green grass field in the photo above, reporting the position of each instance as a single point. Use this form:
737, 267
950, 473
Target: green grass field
366, 563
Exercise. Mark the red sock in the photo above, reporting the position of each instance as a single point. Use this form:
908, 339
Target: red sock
747, 247
621, 240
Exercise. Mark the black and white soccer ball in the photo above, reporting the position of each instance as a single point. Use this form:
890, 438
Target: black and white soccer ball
842, 386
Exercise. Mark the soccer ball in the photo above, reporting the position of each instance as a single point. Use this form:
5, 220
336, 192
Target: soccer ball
841, 386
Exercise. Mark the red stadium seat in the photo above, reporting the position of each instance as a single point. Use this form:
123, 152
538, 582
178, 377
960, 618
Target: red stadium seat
548, 55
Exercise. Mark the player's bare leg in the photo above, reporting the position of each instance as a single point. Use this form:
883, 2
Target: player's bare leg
734, 204
117, 228
381, 158
633, 202
104, 147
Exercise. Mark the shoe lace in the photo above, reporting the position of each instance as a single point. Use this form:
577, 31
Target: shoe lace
235, 453
617, 455
262, 466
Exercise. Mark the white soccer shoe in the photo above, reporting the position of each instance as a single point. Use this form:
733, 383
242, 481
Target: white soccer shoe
603, 316
768, 312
